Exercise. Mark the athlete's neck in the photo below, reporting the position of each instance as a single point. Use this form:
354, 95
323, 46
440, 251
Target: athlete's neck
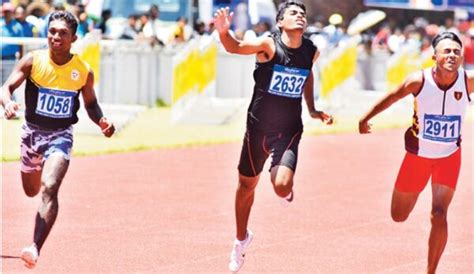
292, 39
60, 58
443, 78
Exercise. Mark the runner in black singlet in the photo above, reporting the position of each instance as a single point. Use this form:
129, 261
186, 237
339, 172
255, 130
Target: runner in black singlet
283, 76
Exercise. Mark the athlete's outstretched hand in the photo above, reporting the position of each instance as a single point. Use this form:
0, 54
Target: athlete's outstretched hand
107, 128
325, 118
364, 127
223, 19
10, 109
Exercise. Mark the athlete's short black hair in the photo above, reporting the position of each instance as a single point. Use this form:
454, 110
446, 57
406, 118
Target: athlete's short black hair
445, 35
67, 17
285, 5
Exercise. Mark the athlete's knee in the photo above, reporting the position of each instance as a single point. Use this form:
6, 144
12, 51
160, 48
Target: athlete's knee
438, 215
50, 188
248, 184
399, 216
31, 192
283, 187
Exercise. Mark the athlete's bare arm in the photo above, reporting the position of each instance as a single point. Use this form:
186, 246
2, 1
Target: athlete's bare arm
410, 86
93, 109
470, 81
308, 94
21, 71
264, 47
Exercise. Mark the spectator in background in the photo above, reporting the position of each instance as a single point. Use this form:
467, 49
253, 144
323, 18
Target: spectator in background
380, 41
105, 16
155, 29
365, 62
449, 26
20, 16
469, 49
251, 34
212, 32
334, 31
395, 40
10, 28
140, 25
85, 24
411, 37
39, 16
316, 34
262, 28
199, 28
179, 30
130, 32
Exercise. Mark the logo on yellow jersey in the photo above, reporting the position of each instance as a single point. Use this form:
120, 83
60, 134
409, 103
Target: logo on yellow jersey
75, 75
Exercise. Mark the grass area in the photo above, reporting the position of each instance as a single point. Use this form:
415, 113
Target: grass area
152, 129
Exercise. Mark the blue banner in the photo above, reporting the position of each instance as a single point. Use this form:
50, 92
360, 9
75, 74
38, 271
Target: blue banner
423, 4
468, 4
406, 4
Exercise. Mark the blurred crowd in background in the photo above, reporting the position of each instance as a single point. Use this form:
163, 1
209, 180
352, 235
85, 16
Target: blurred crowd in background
27, 18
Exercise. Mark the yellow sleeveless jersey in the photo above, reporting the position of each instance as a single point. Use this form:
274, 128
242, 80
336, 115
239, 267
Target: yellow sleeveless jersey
52, 91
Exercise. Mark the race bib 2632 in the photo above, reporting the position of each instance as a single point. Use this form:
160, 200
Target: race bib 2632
288, 81
55, 103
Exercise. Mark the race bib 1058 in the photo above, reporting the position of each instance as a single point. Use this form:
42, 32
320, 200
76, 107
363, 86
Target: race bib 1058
442, 128
288, 81
55, 103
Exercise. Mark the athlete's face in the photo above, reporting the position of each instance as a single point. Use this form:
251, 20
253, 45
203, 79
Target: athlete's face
448, 55
60, 36
294, 18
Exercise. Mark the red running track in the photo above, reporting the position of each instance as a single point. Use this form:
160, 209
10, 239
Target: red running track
171, 211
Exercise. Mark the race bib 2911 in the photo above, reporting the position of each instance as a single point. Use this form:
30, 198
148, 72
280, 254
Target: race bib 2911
442, 128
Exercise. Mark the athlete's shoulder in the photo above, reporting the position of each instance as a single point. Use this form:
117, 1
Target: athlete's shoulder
414, 82
417, 77
81, 63
309, 43
469, 74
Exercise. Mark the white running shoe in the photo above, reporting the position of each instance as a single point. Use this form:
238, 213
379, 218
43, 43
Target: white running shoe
238, 252
29, 255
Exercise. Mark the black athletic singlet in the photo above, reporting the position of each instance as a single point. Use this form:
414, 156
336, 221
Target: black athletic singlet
279, 85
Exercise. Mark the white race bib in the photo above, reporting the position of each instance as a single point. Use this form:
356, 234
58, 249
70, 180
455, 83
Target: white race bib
442, 128
55, 103
287, 81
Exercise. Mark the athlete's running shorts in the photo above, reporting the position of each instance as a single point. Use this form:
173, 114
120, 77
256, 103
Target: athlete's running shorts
257, 146
38, 143
415, 172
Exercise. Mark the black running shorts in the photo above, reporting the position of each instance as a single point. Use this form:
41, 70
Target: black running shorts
257, 146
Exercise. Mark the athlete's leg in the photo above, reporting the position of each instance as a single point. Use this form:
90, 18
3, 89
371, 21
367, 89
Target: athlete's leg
55, 168
244, 198
445, 177
282, 180
285, 158
412, 178
32, 149
442, 196
402, 205
31, 182
252, 159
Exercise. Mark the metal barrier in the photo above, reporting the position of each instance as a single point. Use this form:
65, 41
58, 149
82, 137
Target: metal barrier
135, 73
